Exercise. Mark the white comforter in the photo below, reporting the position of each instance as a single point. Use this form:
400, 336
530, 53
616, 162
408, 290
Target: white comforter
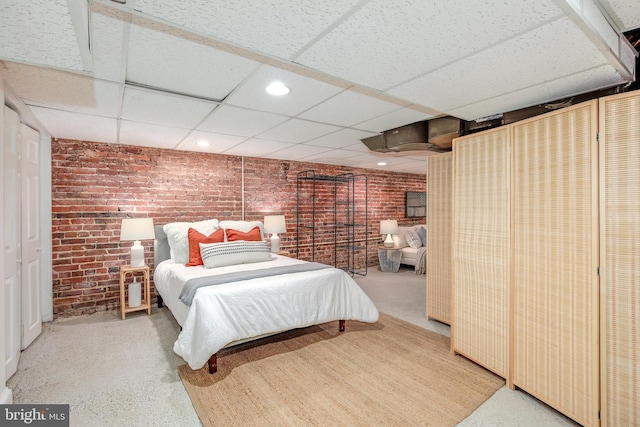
224, 314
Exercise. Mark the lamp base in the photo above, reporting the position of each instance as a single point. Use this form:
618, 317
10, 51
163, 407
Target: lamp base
388, 242
275, 243
137, 254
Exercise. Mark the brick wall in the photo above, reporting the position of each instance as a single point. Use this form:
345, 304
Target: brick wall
95, 185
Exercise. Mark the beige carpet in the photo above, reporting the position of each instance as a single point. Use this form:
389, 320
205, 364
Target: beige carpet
387, 373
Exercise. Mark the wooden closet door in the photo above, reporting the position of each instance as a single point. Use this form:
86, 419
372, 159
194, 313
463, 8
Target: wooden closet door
439, 245
620, 258
480, 328
555, 260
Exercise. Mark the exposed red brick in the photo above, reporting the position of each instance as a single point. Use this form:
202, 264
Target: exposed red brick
96, 185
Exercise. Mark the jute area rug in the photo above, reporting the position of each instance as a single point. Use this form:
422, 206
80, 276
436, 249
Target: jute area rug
390, 373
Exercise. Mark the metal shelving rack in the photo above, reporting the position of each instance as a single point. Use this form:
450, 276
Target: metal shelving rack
349, 226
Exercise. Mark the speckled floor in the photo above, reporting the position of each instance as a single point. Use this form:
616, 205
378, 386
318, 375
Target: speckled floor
111, 372
124, 373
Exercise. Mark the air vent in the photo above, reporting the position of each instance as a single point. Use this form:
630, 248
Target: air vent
433, 135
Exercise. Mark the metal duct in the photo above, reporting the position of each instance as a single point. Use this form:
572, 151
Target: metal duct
430, 135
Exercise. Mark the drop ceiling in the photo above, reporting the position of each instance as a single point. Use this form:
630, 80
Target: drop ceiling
168, 74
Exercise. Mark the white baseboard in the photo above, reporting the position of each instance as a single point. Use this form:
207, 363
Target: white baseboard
6, 397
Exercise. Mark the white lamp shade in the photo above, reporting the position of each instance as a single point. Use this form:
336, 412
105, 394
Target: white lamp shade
388, 226
274, 224
137, 229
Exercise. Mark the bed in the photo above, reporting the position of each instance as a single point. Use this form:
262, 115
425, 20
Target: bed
249, 300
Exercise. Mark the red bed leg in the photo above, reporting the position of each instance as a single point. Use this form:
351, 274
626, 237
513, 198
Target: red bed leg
213, 363
341, 325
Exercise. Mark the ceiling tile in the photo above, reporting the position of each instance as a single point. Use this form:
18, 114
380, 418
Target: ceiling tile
164, 109
341, 139
415, 60
626, 12
380, 49
348, 108
305, 92
256, 148
297, 131
397, 163
514, 65
334, 157
218, 142
279, 29
134, 133
107, 42
63, 90
62, 124
240, 121
394, 119
601, 77
162, 57
358, 147
39, 32
297, 152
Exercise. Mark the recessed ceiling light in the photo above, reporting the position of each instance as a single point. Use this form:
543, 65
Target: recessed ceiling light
382, 163
203, 143
277, 89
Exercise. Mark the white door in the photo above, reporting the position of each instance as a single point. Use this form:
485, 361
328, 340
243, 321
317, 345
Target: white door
31, 234
11, 208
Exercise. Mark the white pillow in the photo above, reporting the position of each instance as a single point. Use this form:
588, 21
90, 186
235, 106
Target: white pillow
233, 253
178, 239
400, 239
413, 238
243, 226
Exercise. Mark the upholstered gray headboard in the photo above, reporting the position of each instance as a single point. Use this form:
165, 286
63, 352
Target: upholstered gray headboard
161, 246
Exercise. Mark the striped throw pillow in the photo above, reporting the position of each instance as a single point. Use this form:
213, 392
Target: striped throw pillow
233, 253
413, 238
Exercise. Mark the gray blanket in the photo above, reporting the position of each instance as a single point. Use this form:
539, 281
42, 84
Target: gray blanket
421, 261
192, 285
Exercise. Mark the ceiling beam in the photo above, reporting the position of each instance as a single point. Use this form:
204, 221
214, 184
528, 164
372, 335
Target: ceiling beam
593, 21
79, 12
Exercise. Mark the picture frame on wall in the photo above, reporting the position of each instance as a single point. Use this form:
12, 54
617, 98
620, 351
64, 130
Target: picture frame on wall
415, 204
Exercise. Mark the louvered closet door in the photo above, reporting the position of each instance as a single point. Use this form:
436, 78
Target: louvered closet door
620, 259
555, 260
480, 328
439, 246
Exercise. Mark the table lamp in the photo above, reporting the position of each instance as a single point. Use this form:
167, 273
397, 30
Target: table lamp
136, 229
275, 224
388, 227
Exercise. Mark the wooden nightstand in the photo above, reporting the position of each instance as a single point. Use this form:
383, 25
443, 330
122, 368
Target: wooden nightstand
284, 253
146, 290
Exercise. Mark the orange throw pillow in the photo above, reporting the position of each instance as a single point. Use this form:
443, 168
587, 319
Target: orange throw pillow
195, 238
252, 235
